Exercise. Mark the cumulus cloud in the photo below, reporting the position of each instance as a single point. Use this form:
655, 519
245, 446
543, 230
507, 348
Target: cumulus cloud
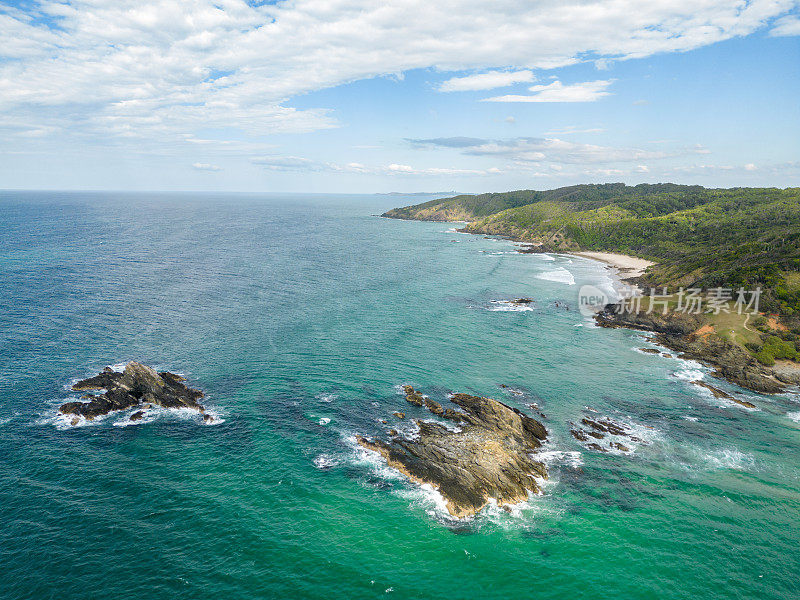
156, 68
486, 81
588, 91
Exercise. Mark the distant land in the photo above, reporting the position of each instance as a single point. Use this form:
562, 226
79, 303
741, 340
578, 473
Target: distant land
697, 237
450, 193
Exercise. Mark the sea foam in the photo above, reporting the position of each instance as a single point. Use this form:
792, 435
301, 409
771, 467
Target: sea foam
560, 275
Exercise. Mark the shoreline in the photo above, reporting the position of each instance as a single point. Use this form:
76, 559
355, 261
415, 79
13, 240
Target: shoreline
729, 361
627, 266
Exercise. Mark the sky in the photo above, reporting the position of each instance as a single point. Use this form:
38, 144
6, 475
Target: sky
408, 96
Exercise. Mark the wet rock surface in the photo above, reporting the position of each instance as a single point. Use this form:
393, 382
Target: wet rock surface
488, 455
137, 386
718, 393
609, 434
677, 332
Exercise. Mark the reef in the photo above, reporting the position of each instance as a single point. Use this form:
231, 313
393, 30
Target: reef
136, 386
486, 454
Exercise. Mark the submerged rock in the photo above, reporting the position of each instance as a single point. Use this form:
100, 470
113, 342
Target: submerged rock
718, 393
137, 385
488, 458
599, 429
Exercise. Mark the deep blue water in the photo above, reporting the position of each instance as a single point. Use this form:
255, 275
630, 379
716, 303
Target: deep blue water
299, 316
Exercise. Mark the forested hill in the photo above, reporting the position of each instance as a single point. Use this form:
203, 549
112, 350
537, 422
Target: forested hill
698, 236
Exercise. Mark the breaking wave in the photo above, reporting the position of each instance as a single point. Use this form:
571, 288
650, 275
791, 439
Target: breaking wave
560, 275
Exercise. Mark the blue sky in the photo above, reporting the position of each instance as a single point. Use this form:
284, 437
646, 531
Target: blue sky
349, 96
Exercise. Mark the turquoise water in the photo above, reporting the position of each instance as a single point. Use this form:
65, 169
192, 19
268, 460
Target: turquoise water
300, 316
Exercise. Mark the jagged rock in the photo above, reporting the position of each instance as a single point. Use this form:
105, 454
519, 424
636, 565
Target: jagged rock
137, 385
137, 415
393, 432
434, 407
413, 396
718, 393
490, 457
593, 424
677, 331
597, 447
522, 301
579, 434
650, 350
599, 429
400, 415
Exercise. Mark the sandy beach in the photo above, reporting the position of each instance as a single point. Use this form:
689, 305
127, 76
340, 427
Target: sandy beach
628, 266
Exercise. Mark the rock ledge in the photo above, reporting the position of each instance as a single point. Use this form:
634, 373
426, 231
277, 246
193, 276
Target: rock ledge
487, 457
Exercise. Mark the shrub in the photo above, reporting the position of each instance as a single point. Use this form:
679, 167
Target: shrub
765, 358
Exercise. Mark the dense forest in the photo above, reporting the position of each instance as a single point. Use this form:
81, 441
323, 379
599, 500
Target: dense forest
697, 236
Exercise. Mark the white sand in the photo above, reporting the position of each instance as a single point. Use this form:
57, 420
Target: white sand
629, 266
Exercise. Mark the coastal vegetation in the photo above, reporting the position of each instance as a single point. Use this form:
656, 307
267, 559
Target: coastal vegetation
737, 238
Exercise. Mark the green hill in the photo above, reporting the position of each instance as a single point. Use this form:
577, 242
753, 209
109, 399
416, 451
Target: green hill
698, 236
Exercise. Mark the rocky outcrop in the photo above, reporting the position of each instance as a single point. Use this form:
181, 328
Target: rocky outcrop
488, 457
678, 331
138, 385
413, 396
718, 393
610, 432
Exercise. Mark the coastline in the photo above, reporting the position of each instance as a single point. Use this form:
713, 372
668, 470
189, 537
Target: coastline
628, 267
673, 331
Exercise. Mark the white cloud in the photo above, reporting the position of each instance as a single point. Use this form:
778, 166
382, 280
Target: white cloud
287, 163
588, 91
296, 163
486, 81
150, 69
206, 167
788, 25
642, 169
750, 167
554, 150
408, 170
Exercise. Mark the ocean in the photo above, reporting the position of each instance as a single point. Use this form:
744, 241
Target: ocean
300, 316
